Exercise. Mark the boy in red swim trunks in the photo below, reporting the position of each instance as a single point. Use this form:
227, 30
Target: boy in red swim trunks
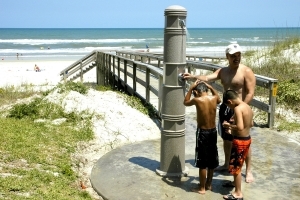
206, 135
240, 129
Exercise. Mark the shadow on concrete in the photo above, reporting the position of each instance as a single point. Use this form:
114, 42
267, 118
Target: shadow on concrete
147, 163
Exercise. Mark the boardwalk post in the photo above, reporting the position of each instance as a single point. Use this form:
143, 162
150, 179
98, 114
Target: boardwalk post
272, 102
81, 71
172, 157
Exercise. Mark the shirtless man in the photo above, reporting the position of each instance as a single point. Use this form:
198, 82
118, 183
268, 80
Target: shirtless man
240, 130
241, 79
206, 151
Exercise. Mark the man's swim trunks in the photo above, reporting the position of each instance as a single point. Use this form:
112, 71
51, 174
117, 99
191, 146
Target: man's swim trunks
239, 151
225, 114
206, 151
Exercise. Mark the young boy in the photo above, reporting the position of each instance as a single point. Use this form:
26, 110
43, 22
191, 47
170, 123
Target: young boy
240, 129
206, 135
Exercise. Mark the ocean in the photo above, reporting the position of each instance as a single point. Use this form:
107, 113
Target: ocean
74, 43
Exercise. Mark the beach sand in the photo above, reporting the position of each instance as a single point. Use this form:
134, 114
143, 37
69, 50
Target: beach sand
20, 72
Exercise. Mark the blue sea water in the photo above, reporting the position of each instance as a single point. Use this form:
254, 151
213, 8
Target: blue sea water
56, 43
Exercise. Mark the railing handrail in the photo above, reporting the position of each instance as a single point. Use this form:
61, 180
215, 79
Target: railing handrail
78, 62
160, 57
262, 81
108, 61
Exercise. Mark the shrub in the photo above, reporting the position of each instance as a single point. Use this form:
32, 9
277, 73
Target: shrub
30, 110
288, 92
103, 88
73, 86
137, 104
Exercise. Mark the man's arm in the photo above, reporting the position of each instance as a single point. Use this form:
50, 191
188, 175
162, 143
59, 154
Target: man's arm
250, 83
211, 77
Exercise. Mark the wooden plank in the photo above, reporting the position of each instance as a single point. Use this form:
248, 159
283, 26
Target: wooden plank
154, 90
260, 105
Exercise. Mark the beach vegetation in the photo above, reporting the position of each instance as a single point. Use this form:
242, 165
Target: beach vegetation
288, 93
10, 93
103, 88
30, 110
280, 61
72, 86
137, 103
288, 126
249, 53
36, 153
36, 159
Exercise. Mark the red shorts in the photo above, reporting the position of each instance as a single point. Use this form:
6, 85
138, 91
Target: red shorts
239, 151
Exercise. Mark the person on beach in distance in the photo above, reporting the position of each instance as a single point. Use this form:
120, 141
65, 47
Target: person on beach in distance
240, 130
206, 135
36, 68
241, 79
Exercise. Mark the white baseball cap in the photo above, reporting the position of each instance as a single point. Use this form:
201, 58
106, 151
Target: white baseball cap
233, 48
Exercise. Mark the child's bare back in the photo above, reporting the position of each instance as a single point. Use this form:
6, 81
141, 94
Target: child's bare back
206, 104
206, 112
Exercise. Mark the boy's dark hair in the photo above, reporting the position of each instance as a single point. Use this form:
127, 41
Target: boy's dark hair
229, 94
201, 87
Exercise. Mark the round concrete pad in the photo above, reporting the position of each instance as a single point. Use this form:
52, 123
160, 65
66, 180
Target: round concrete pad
129, 172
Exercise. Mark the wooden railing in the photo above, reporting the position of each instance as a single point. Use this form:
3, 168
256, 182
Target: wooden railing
80, 67
141, 74
147, 57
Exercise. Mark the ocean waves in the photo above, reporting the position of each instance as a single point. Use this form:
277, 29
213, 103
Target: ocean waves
79, 42
47, 42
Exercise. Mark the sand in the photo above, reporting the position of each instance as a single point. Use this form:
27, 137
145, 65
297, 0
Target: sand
22, 72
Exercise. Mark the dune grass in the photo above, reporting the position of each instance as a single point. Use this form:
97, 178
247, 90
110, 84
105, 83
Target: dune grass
9, 94
35, 158
280, 61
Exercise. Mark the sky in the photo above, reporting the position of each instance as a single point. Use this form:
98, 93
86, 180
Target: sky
147, 13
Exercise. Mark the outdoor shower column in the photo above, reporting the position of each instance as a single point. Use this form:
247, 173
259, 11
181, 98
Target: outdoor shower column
172, 156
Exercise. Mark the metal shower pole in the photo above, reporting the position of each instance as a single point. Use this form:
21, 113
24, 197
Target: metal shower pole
172, 157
